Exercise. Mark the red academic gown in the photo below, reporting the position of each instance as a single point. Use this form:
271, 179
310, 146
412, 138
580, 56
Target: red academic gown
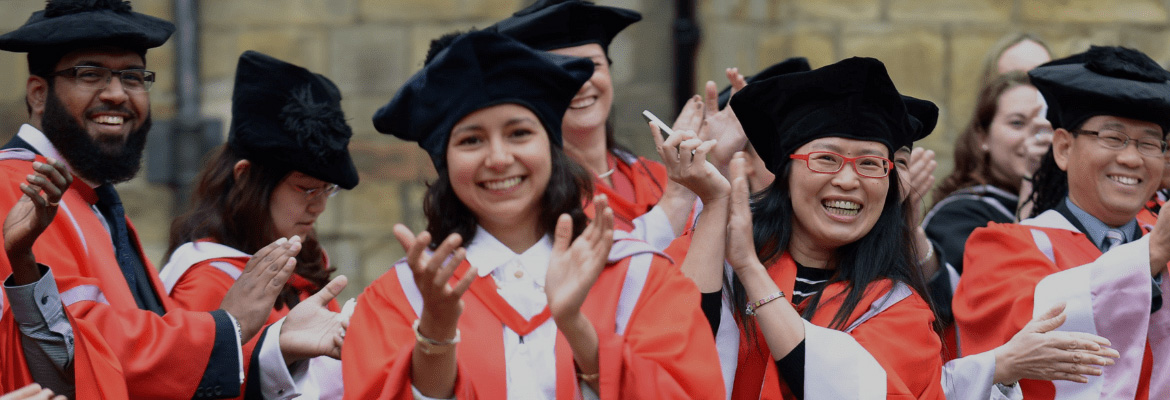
202, 284
638, 183
900, 338
97, 373
160, 357
665, 351
1015, 271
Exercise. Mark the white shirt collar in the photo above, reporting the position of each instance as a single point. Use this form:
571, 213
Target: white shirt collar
486, 254
39, 142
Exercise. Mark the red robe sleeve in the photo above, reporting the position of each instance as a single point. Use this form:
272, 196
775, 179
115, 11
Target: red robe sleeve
150, 348
203, 286
376, 356
667, 350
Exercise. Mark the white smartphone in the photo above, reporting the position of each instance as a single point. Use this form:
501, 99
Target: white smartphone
649, 116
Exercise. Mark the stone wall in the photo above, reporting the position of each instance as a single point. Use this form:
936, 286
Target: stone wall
369, 47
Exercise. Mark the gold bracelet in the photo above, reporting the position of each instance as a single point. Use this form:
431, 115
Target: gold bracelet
432, 346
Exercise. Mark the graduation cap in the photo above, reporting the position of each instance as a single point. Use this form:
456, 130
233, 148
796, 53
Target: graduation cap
794, 64
285, 115
853, 99
923, 116
477, 70
67, 25
557, 24
1115, 81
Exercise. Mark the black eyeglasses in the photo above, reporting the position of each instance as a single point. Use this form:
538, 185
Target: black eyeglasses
98, 78
827, 162
1114, 140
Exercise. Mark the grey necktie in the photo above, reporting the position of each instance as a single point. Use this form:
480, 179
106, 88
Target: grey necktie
1113, 238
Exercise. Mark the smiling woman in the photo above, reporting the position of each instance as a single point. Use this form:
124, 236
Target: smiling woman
511, 290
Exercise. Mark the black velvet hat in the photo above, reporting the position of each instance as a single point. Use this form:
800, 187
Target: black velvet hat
852, 99
923, 118
478, 70
1114, 81
794, 64
285, 115
66, 25
557, 24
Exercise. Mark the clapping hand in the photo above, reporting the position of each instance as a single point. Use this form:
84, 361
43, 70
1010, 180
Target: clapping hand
574, 267
432, 272
311, 330
32, 214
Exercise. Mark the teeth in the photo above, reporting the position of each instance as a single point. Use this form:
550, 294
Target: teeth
841, 207
502, 184
1124, 180
108, 119
583, 102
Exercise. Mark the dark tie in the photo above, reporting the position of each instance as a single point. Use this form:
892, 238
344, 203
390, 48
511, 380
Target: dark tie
129, 261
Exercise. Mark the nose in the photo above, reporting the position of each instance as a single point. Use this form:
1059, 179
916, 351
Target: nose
114, 92
1040, 124
847, 178
499, 156
1129, 156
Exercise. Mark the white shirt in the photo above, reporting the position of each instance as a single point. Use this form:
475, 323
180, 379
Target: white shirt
530, 361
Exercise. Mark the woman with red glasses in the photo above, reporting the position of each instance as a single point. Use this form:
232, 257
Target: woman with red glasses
286, 155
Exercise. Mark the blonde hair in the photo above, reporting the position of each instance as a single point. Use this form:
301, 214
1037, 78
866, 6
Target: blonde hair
991, 59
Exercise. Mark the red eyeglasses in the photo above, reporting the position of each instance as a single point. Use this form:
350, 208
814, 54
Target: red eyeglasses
827, 162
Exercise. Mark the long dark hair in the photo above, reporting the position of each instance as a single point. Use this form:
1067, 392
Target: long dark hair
884, 252
972, 164
568, 183
1049, 184
236, 214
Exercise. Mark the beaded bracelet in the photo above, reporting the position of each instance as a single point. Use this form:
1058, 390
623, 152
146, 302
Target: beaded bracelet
751, 308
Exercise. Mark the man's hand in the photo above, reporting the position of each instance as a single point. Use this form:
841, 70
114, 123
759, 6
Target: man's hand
31, 392
251, 298
311, 330
1039, 352
31, 215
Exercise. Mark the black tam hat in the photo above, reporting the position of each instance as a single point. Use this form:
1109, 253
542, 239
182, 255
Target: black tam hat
285, 115
67, 25
853, 99
557, 24
1114, 81
481, 69
794, 64
923, 116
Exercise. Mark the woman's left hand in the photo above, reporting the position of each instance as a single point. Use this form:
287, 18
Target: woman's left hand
573, 268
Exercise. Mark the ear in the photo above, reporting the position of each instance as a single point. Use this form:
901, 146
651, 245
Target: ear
240, 168
1062, 142
36, 94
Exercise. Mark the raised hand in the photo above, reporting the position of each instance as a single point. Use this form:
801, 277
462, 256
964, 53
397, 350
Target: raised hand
919, 179
1159, 246
1038, 352
252, 296
32, 214
311, 330
722, 125
574, 267
443, 301
741, 248
690, 118
685, 158
31, 392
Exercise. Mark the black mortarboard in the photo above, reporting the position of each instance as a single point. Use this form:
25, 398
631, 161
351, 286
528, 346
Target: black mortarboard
66, 25
794, 64
557, 24
853, 99
1114, 81
285, 115
923, 116
478, 70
